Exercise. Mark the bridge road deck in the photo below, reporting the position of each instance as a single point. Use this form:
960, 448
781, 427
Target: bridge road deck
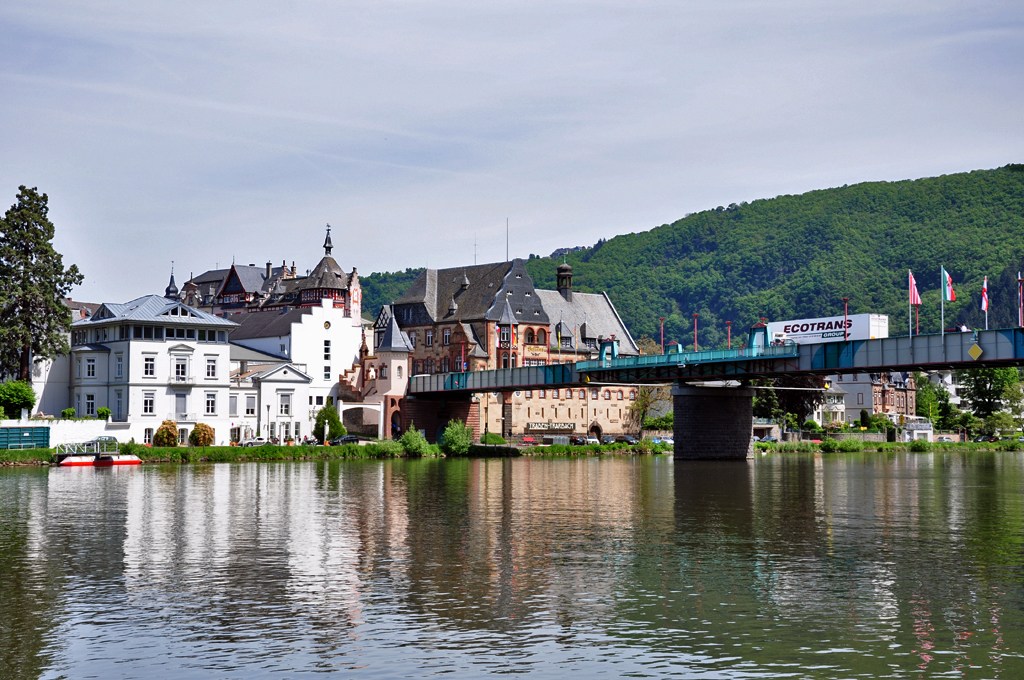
998, 348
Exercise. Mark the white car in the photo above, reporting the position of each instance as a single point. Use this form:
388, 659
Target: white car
255, 441
668, 440
593, 440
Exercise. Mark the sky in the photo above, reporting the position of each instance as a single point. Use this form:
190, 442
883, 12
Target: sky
205, 133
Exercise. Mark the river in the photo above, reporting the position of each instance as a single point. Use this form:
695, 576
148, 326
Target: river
841, 566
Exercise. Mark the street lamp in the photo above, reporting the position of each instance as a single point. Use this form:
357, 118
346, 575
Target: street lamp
662, 320
846, 329
728, 329
695, 332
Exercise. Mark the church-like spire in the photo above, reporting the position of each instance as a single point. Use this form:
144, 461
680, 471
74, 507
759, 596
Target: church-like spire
327, 242
171, 291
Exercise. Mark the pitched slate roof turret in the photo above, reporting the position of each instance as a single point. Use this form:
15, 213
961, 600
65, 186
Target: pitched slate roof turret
327, 274
394, 339
171, 292
508, 317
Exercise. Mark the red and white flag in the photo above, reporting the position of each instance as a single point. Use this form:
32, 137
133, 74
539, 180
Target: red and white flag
948, 294
984, 295
915, 297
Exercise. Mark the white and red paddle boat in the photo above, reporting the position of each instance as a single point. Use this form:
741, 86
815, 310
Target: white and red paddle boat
94, 454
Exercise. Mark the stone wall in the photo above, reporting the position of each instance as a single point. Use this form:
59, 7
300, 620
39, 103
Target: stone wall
429, 415
713, 422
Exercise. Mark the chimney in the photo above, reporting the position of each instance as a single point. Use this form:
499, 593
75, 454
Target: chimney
293, 269
270, 268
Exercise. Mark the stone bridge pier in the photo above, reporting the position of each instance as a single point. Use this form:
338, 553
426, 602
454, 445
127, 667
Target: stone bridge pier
712, 423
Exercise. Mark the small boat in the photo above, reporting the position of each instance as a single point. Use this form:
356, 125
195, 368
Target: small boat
78, 461
108, 459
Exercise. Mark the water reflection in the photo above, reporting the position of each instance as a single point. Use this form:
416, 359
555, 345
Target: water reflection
866, 564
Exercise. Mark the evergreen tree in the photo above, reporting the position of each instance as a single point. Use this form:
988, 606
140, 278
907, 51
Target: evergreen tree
34, 321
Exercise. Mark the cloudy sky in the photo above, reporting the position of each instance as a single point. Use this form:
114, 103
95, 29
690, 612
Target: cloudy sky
203, 132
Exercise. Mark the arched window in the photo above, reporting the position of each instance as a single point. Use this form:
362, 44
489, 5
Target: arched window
583, 394
568, 394
384, 371
513, 359
632, 395
607, 394
542, 337
620, 395
398, 371
529, 336
504, 360
444, 365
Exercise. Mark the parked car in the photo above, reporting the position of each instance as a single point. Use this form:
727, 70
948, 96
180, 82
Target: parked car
255, 441
980, 438
578, 440
655, 440
626, 439
345, 439
768, 439
608, 439
593, 440
944, 439
668, 440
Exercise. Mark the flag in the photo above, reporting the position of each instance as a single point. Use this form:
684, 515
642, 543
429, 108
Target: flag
915, 297
1020, 301
984, 295
948, 294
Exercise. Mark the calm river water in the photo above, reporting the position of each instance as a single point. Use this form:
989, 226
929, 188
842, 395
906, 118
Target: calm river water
863, 565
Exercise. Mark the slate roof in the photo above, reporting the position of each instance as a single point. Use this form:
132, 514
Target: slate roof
267, 324
394, 340
593, 313
242, 353
151, 308
431, 294
326, 274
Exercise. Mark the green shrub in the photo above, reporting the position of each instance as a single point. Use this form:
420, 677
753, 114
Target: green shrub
850, 445
328, 425
414, 443
103, 412
645, 445
662, 423
457, 438
812, 426
16, 395
131, 448
388, 449
829, 445
1011, 445
491, 438
201, 435
68, 413
919, 446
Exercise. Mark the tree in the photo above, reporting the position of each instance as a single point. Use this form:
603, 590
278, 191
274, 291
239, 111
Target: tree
646, 397
865, 418
34, 321
1000, 421
1013, 398
201, 435
801, 402
166, 434
457, 438
648, 345
982, 388
328, 425
16, 395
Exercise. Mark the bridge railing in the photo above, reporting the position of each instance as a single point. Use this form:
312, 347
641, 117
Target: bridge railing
495, 379
680, 358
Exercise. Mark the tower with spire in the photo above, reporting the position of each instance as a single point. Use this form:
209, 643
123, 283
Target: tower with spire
171, 291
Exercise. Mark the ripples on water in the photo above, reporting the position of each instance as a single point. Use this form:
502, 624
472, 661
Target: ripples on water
848, 566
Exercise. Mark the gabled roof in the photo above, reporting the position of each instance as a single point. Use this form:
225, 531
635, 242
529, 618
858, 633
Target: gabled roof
595, 311
279, 370
326, 274
267, 324
152, 308
489, 286
508, 317
394, 339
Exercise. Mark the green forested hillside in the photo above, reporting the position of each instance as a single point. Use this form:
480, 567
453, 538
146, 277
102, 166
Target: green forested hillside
798, 256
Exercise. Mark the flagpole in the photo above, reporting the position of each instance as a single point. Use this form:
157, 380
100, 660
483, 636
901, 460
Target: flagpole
910, 295
942, 308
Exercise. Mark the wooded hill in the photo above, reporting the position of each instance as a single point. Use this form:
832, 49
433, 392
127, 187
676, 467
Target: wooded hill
797, 256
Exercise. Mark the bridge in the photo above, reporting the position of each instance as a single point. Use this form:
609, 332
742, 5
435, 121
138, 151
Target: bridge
713, 422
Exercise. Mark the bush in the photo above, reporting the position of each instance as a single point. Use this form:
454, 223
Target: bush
457, 438
492, 438
16, 395
388, 449
103, 413
919, 446
131, 448
328, 424
1011, 445
812, 426
665, 422
201, 435
645, 445
851, 445
166, 435
68, 413
414, 443
829, 445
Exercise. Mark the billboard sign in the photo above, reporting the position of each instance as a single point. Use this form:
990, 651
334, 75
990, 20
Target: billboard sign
831, 328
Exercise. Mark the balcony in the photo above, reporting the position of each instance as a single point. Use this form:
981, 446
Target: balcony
181, 380
182, 417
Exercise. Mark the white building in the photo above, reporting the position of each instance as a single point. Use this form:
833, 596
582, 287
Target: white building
149, 360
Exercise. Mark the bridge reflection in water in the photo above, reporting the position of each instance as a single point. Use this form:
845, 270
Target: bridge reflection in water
871, 565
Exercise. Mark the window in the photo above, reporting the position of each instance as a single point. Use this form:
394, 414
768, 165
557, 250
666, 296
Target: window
285, 405
284, 348
554, 393
529, 336
529, 394
632, 395
327, 372
445, 365
211, 368
78, 404
148, 401
90, 368
583, 394
180, 369
119, 366
182, 436
147, 436
619, 395
566, 342
149, 367
542, 337
412, 339
78, 368
398, 371
117, 405
90, 404
297, 435
327, 350
233, 405
430, 339
250, 404
504, 360
211, 403
568, 394
503, 333
542, 394
593, 394
854, 377
319, 401
446, 336
607, 394
384, 371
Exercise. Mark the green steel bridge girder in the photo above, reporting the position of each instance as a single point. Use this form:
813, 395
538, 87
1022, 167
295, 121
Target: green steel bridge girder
999, 348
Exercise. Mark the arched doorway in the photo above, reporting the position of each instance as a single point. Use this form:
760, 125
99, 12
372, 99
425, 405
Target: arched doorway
396, 424
595, 430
